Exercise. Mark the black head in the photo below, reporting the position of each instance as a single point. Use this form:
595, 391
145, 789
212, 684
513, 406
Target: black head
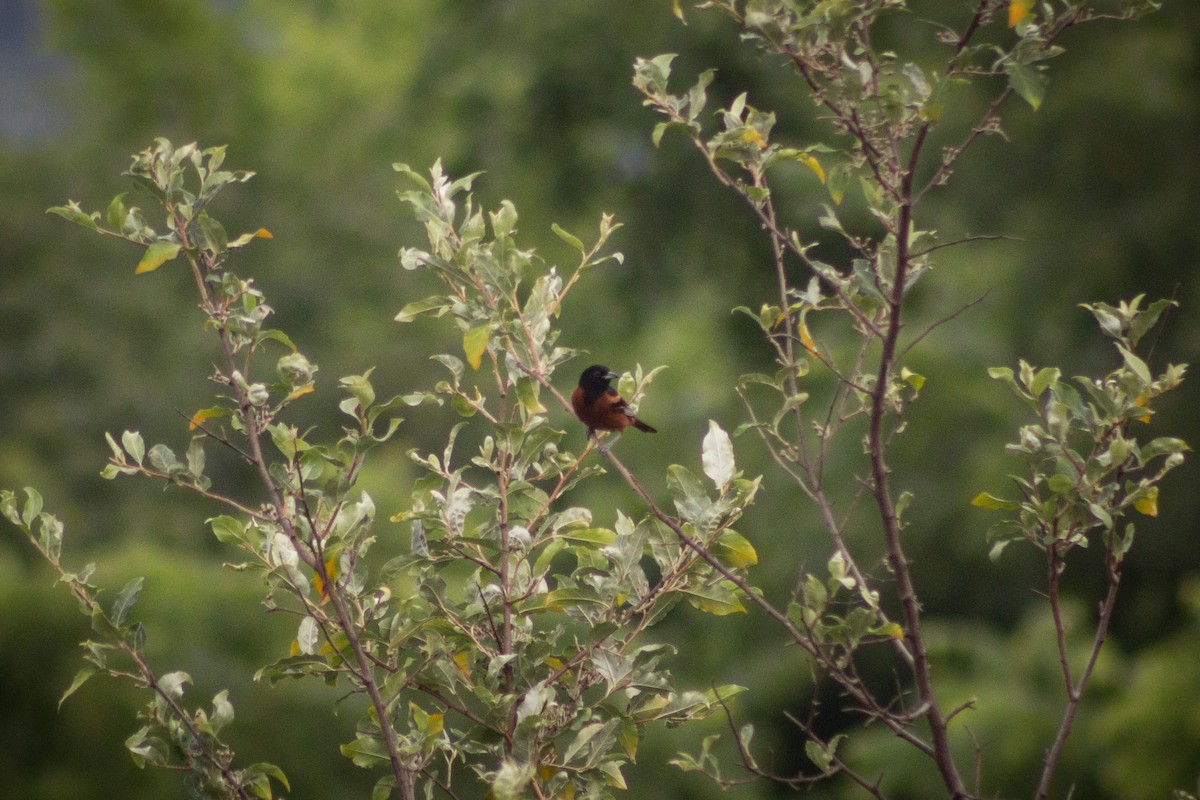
595, 379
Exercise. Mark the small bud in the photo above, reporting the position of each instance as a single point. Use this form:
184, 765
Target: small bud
519, 539
295, 370
257, 394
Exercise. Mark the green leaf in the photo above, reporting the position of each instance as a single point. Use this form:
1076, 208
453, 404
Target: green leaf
227, 529
133, 444
1107, 318
568, 238
734, 550
997, 549
277, 336
1045, 379
1060, 484
463, 406
691, 129
690, 498
8, 507
1136, 365
81, 678
528, 391
437, 304
222, 713
146, 749
115, 216
1164, 445
560, 599
1028, 82
365, 751
156, 255
383, 788
597, 537
1100, 513
717, 600
1144, 320
475, 341
212, 233
72, 213
717, 456
412, 175
33, 506
612, 774
125, 600
822, 754
173, 682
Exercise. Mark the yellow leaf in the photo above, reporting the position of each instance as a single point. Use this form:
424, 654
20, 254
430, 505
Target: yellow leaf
991, 502
303, 390
751, 136
294, 650
156, 255
913, 379
1018, 10
460, 661
246, 238
677, 11
319, 584
812, 163
893, 630
1148, 502
205, 414
475, 343
1141, 402
806, 337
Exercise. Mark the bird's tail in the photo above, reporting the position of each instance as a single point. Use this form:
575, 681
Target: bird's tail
641, 426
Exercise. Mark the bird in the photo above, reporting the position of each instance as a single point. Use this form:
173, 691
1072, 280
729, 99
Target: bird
600, 408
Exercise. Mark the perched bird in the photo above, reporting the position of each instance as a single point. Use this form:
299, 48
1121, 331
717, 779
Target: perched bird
600, 407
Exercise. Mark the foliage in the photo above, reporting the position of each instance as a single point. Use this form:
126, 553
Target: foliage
883, 110
510, 640
520, 622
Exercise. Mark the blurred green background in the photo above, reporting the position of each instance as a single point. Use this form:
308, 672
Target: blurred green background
319, 98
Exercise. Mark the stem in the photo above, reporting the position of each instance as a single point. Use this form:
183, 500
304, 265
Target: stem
850, 682
881, 490
506, 625
146, 675
1075, 691
404, 777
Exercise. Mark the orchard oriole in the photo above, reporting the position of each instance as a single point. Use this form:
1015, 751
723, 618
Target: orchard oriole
600, 407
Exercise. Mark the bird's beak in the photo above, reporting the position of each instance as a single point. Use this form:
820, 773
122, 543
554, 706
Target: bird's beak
611, 376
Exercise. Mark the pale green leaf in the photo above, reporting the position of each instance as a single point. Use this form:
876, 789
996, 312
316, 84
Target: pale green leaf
717, 455
156, 255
